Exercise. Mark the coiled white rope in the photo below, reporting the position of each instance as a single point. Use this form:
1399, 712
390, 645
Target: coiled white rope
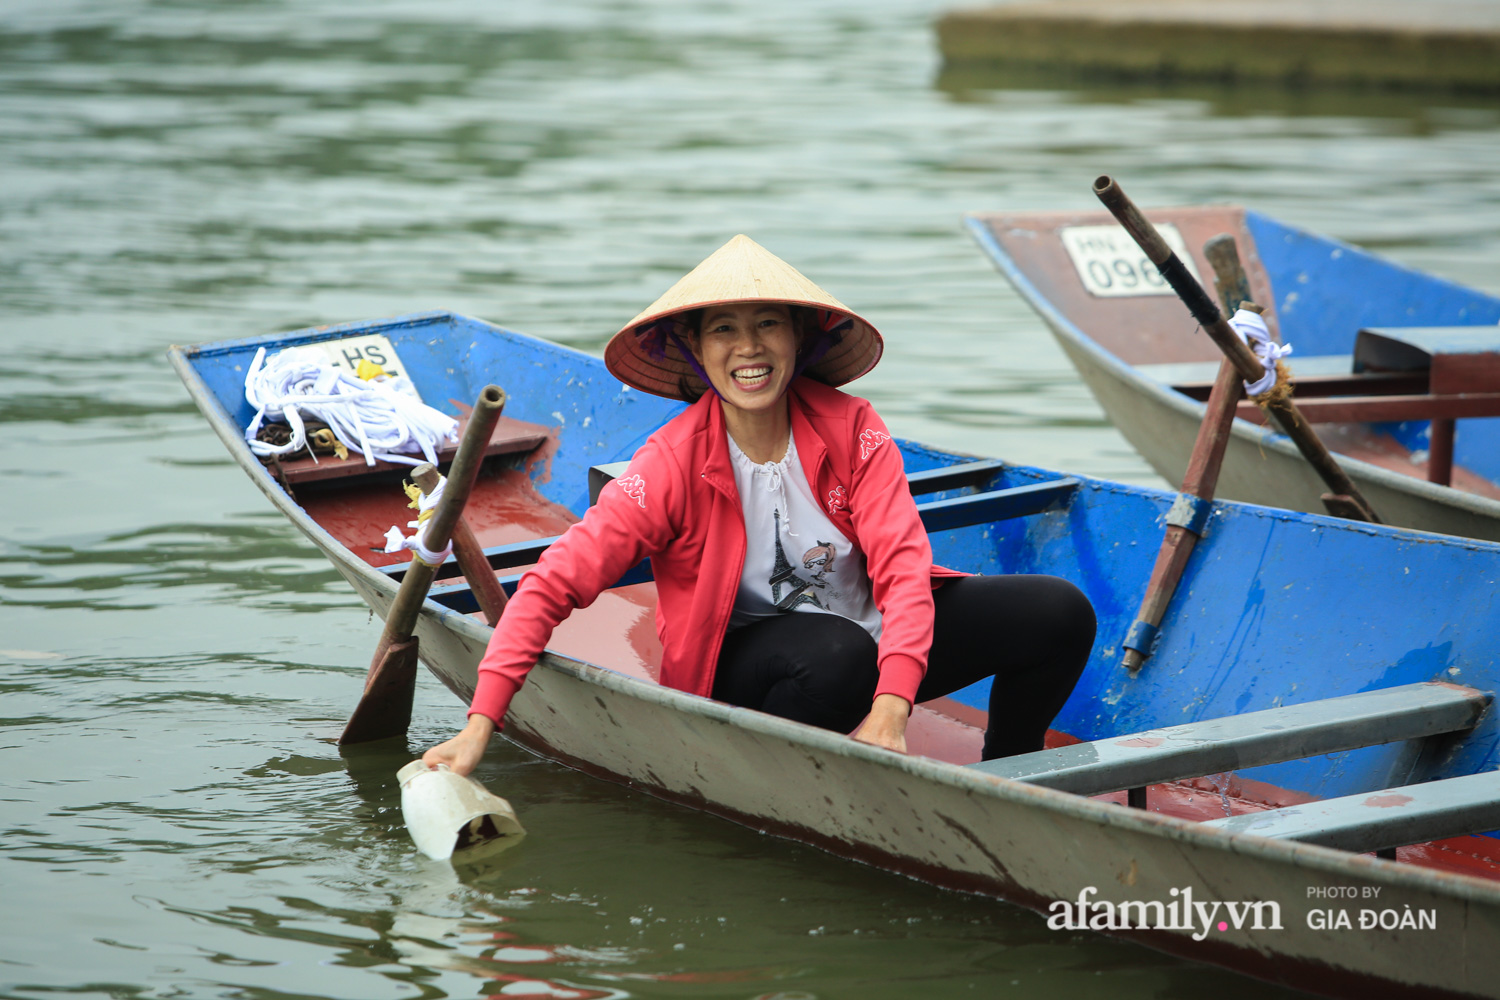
426, 505
1252, 330
381, 419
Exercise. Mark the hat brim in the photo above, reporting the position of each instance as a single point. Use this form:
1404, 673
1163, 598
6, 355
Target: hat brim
646, 356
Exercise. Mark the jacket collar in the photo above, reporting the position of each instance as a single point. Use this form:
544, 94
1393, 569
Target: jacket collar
717, 469
810, 446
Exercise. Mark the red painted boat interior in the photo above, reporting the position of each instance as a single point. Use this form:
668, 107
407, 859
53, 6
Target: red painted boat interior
618, 632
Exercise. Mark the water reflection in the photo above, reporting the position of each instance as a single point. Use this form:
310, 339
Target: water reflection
240, 561
1422, 113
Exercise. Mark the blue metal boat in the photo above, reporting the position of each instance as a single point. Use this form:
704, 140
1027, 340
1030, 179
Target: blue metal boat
1305, 664
1400, 370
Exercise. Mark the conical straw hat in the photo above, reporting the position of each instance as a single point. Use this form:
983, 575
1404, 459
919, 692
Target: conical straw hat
648, 353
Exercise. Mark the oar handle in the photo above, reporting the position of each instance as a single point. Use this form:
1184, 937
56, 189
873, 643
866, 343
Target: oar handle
465, 467
1176, 274
1249, 367
1230, 280
402, 617
469, 553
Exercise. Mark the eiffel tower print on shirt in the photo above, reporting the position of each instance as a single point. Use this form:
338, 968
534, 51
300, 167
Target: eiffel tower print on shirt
798, 590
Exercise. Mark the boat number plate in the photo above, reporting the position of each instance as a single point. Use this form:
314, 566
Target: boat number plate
349, 352
1110, 265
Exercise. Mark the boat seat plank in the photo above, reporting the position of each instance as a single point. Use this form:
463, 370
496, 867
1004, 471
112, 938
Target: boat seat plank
510, 437
937, 515
1378, 409
995, 505
941, 515
1395, 374
1271, 736
460, 596
601, 476
1315, 376
1180, 373
1457, 359
1412, 814
967, 475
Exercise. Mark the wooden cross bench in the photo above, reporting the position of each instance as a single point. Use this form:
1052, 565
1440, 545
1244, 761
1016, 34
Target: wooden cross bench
1429, 715
1440, 374
1381, 821
983, 506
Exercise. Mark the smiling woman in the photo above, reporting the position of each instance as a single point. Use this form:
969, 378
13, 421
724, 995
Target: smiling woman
793, 572
747, 350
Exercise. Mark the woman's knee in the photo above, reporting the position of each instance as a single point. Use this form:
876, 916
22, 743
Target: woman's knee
1071, 620
1048, 604
1074, 610
1029, 622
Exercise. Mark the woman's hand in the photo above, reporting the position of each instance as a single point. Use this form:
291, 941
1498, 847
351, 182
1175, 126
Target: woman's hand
462, 753
885, 726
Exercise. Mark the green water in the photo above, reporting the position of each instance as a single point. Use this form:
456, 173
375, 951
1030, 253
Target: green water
175, 820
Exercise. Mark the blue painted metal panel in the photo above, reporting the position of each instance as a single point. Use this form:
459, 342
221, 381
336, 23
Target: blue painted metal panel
1326, 291
1275, 607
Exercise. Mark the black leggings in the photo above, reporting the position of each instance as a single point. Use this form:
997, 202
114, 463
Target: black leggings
1032, 633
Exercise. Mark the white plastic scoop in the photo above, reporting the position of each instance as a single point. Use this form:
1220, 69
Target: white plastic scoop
447, 812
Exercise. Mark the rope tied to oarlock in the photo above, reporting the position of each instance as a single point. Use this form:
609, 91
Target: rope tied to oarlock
426, 506
1276, 381
378, 416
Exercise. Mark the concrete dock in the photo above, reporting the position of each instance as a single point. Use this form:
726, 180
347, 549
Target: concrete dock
1451, 45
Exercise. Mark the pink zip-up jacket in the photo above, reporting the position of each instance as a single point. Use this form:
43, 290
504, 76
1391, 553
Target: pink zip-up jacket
677, 503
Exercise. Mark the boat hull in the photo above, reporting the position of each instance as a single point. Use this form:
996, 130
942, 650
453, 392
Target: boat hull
964, 830
1276, 573
1105, 338
1260, 466
1032, 846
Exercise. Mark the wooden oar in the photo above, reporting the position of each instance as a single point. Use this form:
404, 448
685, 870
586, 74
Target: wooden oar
1188, 516
384, 710
1345, 499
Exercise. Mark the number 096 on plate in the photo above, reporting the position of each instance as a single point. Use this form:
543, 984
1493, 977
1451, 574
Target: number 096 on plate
1111, 265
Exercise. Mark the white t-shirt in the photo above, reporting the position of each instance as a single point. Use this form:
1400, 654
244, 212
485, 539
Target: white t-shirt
795, 558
